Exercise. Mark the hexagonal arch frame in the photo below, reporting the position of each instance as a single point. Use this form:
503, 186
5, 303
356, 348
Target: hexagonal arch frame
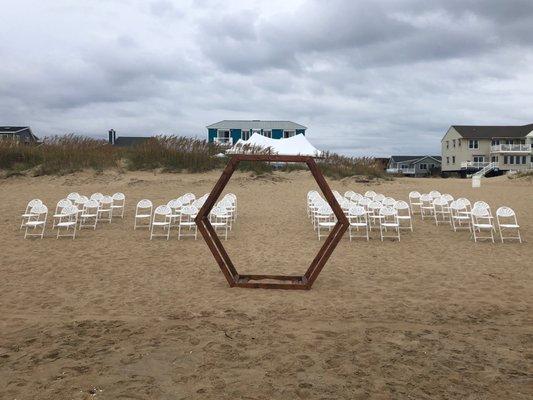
303, 282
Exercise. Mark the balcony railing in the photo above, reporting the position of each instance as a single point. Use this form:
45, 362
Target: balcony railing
226, 141
405, 171
511, 148
474, 164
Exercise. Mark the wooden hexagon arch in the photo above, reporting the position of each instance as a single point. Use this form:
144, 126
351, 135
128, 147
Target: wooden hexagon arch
280, 281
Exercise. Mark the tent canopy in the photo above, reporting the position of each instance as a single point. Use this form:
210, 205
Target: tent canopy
293, 146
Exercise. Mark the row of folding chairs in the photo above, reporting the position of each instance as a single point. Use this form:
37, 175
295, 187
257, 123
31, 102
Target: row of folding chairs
462, 214
363, 213
72, 213
181, 213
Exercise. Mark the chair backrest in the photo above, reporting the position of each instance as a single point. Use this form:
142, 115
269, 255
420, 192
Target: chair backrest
219, 212
370, 194
440, 201
63, 203
162, 210
447, 197
465, 201
414, 195
97, 196
32, 203
434, 194
70, 210
39, 209
457, 205
189, 211
90, 205
106, 201
144, 203
401, 205
481, 204
356, 197
81, 200
175, 204
188, 198
505, 212
389, 202
348, 195
379, 197
73, 196
325, 210
388, 211
119, 196
480, 212
365, 201
375, 206
357, 211
426, 198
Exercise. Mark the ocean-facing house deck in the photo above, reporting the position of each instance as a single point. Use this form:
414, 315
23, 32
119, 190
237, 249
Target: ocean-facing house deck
228, 132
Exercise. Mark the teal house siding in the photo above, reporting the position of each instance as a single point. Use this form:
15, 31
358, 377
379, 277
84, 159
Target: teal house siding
235, 134
277, 133
212, 134
300, 131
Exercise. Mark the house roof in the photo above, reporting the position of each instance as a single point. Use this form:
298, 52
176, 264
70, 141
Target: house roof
22, 131
413, 158
255, 124
128, 141
488, 132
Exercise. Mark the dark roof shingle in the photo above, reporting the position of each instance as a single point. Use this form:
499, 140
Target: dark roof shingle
488, 132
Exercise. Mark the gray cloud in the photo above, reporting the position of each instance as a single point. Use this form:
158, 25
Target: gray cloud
366, 77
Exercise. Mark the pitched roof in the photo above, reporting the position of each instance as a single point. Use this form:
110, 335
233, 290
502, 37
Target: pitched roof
488, 132
128, 141
255, 124
413, 158
21, 131
12, 129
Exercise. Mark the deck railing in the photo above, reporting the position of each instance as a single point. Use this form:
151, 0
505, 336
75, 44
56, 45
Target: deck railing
226, 141
513, 148
405, 171
474, 164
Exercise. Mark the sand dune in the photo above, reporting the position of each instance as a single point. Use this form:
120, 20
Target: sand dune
113, 315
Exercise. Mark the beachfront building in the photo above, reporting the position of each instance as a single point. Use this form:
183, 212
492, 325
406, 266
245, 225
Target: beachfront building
414, 165
126, 141
18, 134
228, 132
467, 149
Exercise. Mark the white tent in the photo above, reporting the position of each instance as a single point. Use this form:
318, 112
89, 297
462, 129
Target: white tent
295, 145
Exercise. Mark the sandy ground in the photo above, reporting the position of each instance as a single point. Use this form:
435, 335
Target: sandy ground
113, 315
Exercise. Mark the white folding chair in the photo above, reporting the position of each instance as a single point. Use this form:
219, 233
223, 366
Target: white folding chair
370, 194
435, 194
36, 220
143, 212
25, 217
506, 218
373, 214
187, 225
96, 196
426, 208
482, 221
389, 221
404, 214
119, 203
441, 211
175, 207
89, 214
460, 217
415, 202
220, 219
61, 204
161, 220
357, 218
68, 220
388, 202
326, 219
105, 211
73, 197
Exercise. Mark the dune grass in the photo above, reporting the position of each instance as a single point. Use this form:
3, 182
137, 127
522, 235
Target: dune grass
60, 155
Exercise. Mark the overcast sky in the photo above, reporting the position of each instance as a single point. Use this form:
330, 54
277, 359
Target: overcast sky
366, 77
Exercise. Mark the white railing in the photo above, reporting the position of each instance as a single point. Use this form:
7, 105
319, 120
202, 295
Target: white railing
518, 148
227, 141
487, 168
474, 164
406, 171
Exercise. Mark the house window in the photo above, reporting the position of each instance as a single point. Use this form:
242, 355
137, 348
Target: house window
494, 159
453, 159
245, 135
288, 134
524, 159
511, 159
447, 144
447, 160
459, 141
453, 141
505, 159
267, 133
424, 166
223, 135
473, 144
495, 142
479, 159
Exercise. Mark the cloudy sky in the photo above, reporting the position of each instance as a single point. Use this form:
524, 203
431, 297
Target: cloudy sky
366, 77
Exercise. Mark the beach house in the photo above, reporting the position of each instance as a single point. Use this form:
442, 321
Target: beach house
413, 165
470, 148
20, 134
228, 132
